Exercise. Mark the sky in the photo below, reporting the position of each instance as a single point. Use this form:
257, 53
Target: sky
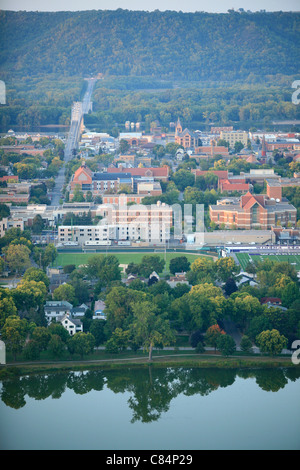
217, 6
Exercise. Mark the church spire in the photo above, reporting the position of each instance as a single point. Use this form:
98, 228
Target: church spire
178, 128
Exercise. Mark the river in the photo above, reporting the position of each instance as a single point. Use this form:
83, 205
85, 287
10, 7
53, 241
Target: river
152, 408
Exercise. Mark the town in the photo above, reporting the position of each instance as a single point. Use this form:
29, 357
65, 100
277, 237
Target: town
149, 228
178, 225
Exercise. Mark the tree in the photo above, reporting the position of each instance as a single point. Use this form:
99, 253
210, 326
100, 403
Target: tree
38, 275
82, 343
245, 308
4, 211
225, 268
97, 329
226, 345
49, 255
119, 302
7, 306
238, 146
41, 336
2, 265
202, 269
183, 178
290, 293
31, 350
212, 335
257, 325
81, 290
149, 329
246, 344
196, 337
37, 224
270, 341
133, 268
230, 286
123, 146
179, 264
58, 330
78, 194
150, 263
65, 292
105, 268
171, 148
56, 346
17, 257
118, 341
207, 305
30, 295
14, 333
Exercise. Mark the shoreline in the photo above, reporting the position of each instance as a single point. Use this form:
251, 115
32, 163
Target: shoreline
198, 361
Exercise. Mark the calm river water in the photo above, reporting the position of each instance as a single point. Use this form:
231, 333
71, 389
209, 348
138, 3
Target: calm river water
141, 409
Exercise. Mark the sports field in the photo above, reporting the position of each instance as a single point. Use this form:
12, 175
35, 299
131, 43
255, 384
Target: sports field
244, 259
78, 259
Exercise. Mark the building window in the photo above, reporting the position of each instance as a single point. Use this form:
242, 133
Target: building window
255, 214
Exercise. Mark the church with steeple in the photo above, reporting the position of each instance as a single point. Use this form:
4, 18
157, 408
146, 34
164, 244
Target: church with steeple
189, 140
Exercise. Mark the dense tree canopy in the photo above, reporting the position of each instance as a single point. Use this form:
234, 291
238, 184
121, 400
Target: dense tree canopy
175, 44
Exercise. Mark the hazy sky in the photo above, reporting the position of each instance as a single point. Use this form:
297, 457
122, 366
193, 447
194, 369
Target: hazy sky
150, 5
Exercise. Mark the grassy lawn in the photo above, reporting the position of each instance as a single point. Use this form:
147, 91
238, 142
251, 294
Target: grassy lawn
124, 258
162, 358
244, 258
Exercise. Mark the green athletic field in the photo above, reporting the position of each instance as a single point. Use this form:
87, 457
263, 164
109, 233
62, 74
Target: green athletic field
78, 259
244, 258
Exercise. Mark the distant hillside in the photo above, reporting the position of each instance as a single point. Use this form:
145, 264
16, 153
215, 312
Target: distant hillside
167, 45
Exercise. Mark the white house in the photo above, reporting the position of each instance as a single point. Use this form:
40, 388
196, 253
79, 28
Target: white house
243, 279
72, 325
56, 308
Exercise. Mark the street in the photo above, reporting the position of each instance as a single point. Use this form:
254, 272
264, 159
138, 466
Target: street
78, 111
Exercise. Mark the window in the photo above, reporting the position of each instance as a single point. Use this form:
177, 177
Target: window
255, 214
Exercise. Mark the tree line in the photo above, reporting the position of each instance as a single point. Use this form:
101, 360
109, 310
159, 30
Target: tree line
148, 313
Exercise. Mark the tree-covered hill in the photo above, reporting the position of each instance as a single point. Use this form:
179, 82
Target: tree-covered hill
169, 45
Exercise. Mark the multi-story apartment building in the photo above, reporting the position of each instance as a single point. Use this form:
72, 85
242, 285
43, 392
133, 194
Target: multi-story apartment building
8, 223
151, 224
83, 233
235, 136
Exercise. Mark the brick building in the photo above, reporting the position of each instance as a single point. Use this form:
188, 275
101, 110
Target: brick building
186, 138
252, 211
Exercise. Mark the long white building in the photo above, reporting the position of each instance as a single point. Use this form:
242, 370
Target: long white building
138, 222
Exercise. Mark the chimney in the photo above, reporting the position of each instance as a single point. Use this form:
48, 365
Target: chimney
274, 192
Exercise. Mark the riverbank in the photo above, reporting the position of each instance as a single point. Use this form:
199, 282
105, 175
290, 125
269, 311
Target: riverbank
175, 360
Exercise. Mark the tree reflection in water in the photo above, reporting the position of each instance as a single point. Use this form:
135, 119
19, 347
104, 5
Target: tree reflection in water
151, 389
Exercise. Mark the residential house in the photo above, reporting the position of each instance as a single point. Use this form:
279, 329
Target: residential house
55, 309
178, 278
72, 325
99, 310
79, 311
245, 279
